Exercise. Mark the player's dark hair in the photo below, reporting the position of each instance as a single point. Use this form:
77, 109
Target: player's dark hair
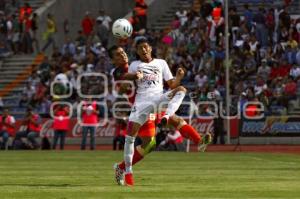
140, 41
111, 51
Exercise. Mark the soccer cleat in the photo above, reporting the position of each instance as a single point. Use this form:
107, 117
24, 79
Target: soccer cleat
129, 179
119, 174
206, 140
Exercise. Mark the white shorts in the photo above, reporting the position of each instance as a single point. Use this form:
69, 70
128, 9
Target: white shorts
147, 104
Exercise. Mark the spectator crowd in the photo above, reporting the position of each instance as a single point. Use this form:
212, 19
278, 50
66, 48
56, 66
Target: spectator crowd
18, 27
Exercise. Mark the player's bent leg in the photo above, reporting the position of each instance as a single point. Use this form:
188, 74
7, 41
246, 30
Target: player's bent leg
148, 145
187, 131
176, 96
176, 90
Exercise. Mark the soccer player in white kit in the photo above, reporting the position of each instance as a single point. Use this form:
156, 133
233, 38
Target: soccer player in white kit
149, 75
147, 131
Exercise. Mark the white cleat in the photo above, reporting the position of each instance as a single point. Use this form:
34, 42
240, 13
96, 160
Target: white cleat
202, 147
119, 174
206, 140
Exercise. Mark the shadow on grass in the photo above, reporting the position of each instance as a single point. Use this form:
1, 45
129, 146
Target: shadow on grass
42, 185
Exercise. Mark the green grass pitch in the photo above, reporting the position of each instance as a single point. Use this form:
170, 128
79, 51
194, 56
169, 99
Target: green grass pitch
89, 175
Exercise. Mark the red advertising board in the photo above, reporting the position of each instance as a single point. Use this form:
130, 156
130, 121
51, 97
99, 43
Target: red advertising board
201, 125
207, 125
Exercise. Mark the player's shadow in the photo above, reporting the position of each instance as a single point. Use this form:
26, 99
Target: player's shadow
42, 185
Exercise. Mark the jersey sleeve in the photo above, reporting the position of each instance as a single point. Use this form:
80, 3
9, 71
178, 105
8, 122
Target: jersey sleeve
167, 75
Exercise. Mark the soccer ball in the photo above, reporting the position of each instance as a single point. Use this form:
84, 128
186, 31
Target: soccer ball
122, 28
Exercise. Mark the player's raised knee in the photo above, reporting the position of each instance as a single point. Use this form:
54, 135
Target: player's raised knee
181, 88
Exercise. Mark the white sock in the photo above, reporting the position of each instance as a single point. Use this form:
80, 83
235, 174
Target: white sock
128, 153
175, 102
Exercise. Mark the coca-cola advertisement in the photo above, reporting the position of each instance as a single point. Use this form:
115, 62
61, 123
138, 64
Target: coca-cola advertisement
108, 130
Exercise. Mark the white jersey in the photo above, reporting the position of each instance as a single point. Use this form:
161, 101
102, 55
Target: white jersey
154, 73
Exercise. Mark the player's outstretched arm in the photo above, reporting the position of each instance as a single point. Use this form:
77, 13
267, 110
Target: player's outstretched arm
134, 76
174, 83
